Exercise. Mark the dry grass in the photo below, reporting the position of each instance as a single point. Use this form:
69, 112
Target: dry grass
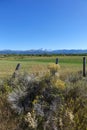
8, 121
70, 89
36, 64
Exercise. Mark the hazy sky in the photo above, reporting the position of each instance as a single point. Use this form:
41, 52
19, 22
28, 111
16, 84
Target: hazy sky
48, 24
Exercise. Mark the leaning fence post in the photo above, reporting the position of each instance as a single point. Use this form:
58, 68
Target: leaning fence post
57, 60
84, 65
16, 70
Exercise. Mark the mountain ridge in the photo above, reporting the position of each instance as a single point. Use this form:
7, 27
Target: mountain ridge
45, 51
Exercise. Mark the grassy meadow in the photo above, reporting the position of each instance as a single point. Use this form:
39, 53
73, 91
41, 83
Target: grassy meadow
34, 64
38, 99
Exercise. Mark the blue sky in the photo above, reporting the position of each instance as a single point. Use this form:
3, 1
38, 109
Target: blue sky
48, 24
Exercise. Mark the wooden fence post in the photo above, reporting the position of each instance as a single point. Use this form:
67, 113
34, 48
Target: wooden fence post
16, 70
17, 67
84, 65
57, 60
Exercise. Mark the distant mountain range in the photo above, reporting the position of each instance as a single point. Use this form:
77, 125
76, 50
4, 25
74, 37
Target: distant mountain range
44, 51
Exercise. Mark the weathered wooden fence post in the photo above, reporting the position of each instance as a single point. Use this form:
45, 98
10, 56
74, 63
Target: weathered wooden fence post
84, 65
57, 60
16, 70
17, 67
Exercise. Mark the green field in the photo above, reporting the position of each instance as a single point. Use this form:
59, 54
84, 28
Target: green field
33, 64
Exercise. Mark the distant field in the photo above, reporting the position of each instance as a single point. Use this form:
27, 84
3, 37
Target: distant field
32, 64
